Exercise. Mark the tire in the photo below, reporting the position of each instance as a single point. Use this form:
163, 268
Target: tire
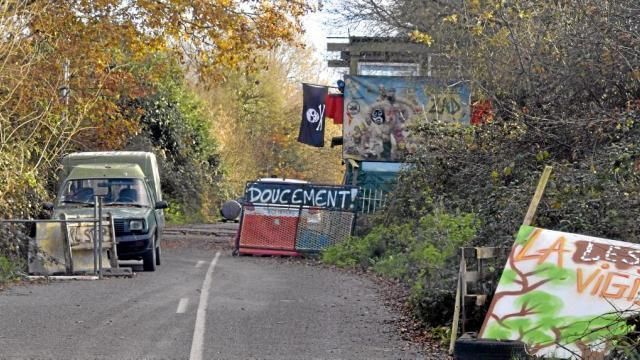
158, 254
470, 348
149, 257
231, 210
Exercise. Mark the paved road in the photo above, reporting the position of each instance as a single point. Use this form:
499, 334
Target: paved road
200, 305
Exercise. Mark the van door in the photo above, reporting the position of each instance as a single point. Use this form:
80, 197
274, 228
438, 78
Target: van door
158, 213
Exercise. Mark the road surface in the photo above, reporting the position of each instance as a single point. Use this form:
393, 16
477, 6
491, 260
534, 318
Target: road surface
202, 303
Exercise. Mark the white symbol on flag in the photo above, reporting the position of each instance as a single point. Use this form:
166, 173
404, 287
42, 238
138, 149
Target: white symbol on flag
314, 117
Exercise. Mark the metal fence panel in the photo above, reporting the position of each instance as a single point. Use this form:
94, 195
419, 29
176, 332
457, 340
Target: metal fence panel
321, 228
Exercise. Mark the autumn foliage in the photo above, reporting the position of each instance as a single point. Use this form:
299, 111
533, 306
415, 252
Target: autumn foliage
79, 75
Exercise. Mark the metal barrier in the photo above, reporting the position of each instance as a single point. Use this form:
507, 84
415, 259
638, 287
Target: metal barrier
321, 228
288, 219
65, 241
268, 230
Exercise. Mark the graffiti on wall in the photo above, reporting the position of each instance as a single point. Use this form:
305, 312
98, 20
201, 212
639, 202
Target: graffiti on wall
380, 110
565, 295
84, 233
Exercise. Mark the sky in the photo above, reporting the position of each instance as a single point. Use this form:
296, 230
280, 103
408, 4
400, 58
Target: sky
317, 29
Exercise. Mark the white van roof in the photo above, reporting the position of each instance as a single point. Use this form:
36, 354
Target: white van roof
283, 180
145, 160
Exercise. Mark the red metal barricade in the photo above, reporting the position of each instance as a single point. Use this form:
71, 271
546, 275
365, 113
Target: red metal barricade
268, 230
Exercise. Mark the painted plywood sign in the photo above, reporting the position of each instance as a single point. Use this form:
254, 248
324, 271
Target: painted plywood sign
379, 112
565, 295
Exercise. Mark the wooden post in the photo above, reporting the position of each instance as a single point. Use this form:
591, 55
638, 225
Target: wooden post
456, 309
353, 62
533, 206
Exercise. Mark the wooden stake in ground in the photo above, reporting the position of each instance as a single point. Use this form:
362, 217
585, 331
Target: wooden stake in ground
456, 309
535, 201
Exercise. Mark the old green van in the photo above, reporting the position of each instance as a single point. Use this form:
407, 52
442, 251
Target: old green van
129, 183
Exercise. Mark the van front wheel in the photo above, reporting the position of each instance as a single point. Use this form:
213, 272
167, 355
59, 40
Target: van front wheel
149, 257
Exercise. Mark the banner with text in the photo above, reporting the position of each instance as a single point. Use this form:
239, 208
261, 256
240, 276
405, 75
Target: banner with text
379, 110
565, 295
341, 197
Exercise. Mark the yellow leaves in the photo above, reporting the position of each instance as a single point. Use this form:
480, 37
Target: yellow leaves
501, 38
477, 29
30, 178
421, 37
487, 15
204, 57
143, 27
453, 18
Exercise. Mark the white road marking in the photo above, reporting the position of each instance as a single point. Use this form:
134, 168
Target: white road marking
198, 333
199, 263
182, 306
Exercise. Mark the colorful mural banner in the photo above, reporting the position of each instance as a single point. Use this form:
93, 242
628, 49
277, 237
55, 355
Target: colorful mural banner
379, 111
565, 295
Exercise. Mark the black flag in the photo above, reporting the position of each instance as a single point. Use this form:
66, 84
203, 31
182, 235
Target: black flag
312, 125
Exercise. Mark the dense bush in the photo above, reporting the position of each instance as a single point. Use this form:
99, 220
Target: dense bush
13, 251
491, 171
415, 252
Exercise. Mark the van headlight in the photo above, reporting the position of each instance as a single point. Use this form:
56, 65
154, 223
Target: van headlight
136, 225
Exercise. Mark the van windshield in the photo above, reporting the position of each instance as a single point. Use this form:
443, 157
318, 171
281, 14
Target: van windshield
124, 192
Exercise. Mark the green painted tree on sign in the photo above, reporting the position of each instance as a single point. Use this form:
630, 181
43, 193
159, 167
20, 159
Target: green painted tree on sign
538, 318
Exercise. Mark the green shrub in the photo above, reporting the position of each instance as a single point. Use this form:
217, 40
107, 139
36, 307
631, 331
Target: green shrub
8, 269
394, 266
433, 293
417, 252
354, 252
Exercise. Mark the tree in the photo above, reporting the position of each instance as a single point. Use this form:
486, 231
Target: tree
257, 118
34, 127
174, 124
115, 49
544, 58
